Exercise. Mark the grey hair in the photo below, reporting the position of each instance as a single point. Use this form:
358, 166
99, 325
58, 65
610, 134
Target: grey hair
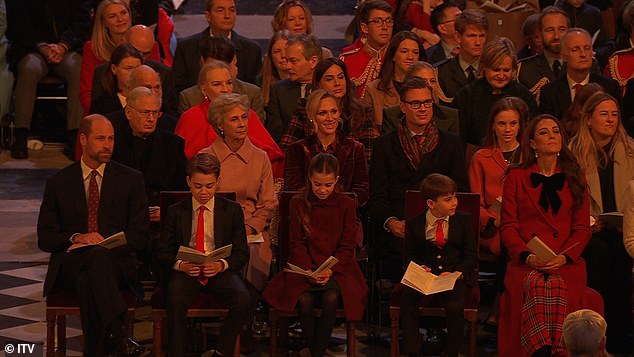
221, 105
140, 92
211, 65
583, 331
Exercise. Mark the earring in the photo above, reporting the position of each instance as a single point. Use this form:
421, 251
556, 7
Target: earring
536, 155
557, 154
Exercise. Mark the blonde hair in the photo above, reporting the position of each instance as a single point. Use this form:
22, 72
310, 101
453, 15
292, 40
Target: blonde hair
495, 52
314, 101
281, 14
102, 42
583, 145
209, 66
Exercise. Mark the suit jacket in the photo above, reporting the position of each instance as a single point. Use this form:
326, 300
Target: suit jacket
192, 96
435, 54
283, 99
458, 254
105, 103
64, 212
555, 96
534, 72
188, 54
163, 161
228, 229
446, 118
450, 78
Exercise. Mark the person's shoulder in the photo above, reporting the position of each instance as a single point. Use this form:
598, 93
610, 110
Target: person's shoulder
193, 38
350, 50
446, 63
284, 83
623, 52
224, 204
121, 169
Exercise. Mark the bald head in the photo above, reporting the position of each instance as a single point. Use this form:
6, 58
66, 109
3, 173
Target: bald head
141, 37
146, 76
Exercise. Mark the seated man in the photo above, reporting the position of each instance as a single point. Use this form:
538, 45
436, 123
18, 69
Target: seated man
205, 222
583, 334
72, 221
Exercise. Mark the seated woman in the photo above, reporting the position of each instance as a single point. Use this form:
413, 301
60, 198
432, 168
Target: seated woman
323, 113
112, 20
322, 224
295, 17
546, 197
274, 63
246, 170
331, 75
604, 152
404, 48
214, 79
474, 102
124, 59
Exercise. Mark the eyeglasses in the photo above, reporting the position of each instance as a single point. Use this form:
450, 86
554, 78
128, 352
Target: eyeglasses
380, 22
148, 113
415, 104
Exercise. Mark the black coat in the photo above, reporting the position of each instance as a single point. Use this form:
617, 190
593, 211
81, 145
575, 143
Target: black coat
283, 101
450, 78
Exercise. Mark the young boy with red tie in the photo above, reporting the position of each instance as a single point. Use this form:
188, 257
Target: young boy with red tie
442, 240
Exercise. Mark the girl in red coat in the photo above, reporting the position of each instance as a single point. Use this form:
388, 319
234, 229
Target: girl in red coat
546, 197
322, 224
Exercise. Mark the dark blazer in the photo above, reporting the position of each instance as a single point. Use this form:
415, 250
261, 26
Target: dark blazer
188, 54
163, 162
458, 254
435, 53
283, 99
64, 212
446, 118
450, 78
391, 174
165, 122
228, 229
532, 69
38, 21
105, 103
555, 96
628, 107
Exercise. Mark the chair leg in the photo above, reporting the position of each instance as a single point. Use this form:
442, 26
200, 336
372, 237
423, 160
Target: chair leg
236, 348
473, 339
129, 323
61, 335
158, 334
50, 333
395, 314
351, 339
273, 333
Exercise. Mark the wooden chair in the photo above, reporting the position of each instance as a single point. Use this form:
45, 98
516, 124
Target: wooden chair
60, 304
204, 305
467, 202
283, 253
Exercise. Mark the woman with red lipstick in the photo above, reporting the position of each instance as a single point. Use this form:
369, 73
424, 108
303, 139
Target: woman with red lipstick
323, 113
604, 152
497, 71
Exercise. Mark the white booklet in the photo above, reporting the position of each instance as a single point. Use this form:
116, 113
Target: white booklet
195, 257
417, 278
329, 263
115, 240
543, 251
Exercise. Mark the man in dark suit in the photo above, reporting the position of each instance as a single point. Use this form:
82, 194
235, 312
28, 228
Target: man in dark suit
557, 96
221, 16
443, 242
442, 21
401, 159
453, 74
205, 222
536, 71
303, 52
83, 203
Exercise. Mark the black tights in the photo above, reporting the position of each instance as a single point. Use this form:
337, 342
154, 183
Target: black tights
543, 352
318, 339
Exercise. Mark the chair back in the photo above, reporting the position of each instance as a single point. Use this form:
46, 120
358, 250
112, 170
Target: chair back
169, 198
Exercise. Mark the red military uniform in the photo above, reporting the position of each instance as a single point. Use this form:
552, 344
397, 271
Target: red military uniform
621, 67
363, 63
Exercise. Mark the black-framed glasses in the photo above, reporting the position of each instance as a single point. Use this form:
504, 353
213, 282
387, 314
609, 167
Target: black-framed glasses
148, 113
415, 104
380, 22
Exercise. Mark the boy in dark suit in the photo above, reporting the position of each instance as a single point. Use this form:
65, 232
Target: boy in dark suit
442, 241
206, 223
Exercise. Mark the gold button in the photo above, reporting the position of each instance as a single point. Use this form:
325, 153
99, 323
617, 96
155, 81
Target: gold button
440, 267
439, 256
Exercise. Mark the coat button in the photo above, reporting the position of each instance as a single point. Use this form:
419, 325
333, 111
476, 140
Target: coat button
556, 234
440, 267
438, 256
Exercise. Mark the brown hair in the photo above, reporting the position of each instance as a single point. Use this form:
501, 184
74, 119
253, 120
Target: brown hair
495, 52
471, 17
551, 10
121, 52
204, 163
436, 185
363, 10
270, 74
281, 14
507, 103
386, 76
573, 115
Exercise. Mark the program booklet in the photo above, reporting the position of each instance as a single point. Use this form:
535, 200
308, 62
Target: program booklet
543, 251
195, 257
329, 263
115, 240
417, 278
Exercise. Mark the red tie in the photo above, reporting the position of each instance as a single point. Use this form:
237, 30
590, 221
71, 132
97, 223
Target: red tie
578, 86
200, 239
93, 203
440, 234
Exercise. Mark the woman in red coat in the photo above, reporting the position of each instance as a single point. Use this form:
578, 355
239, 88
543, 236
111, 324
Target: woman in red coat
546, 197
322, 224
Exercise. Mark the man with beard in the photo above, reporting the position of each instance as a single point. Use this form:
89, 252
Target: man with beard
536, 71
84, 203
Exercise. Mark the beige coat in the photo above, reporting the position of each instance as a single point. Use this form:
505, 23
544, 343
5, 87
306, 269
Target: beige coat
380, 100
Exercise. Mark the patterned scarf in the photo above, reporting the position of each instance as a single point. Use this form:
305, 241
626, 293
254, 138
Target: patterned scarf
418, 145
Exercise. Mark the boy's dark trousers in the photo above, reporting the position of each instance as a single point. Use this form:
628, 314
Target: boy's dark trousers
454, 307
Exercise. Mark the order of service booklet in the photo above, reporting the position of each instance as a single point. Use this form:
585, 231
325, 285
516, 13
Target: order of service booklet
417, 278
543, 251
194, 256
329, 263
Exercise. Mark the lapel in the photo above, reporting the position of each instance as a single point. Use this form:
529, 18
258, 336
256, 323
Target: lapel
457, 73
219, 208
543, 67
185, 217
453, 232
237, 42
78, 193
563, 92
108, 188
533, 197
594, 187
497, 156
623, 172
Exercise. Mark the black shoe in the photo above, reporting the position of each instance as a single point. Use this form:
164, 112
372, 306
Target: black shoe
129, 348
19, 150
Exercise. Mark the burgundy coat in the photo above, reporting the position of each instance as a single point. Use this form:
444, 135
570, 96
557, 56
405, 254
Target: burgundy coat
332, 225
521, 217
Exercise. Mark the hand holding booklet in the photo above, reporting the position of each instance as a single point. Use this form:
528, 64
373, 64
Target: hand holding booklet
195, 257
329, 263
417, 278
543, 251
